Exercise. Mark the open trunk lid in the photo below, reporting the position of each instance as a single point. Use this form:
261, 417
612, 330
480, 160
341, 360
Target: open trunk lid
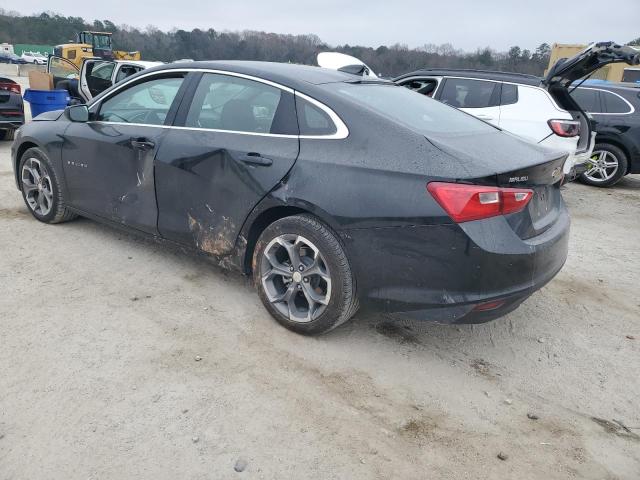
567, 70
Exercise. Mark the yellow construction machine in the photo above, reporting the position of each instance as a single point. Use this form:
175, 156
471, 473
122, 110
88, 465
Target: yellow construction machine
91, 45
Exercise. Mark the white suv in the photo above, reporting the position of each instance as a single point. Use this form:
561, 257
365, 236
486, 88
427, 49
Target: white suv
537, 109
513, 102
540, 110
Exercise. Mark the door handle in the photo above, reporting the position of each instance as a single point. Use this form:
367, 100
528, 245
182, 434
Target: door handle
142, 143
253, 158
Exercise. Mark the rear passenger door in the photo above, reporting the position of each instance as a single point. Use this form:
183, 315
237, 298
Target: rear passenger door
480, 98
233, 140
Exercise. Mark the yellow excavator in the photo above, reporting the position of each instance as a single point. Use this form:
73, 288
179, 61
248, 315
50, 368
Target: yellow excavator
92, 45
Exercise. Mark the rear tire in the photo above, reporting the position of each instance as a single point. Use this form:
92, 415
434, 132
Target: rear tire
303, 275
41, 188
608, 165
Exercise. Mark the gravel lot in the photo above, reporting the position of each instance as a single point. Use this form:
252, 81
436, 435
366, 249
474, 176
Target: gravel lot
100, 332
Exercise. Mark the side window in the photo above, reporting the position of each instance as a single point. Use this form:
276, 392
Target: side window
464, 93
147, 103
61, 68
103, 71
509, 94
313, 120
425, 86
126, 71
225, 102
613, 103
588, 99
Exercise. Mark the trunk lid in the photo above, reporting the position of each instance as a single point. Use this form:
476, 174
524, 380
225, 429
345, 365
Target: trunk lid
504, 160
567, 70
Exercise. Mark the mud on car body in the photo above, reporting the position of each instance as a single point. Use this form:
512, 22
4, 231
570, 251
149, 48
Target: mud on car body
336, 193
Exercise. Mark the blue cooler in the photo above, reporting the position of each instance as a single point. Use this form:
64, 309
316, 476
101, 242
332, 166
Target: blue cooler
46, 100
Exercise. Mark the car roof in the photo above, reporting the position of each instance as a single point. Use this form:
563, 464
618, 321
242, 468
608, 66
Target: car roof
140, 63
613, 86
287, 74
521, 78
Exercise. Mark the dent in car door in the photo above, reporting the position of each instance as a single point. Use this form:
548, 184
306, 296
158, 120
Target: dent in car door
108, 161
236, 139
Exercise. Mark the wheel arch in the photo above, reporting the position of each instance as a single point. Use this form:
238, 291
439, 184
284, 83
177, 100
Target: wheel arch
23, 147
600, 139
268, 214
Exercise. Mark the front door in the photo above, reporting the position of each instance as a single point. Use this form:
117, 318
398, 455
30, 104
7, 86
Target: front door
108, 161
65, 75
234, 139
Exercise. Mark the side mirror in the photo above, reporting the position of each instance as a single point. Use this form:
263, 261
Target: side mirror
78, 113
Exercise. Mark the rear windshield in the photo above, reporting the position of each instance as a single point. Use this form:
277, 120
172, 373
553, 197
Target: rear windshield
417, 112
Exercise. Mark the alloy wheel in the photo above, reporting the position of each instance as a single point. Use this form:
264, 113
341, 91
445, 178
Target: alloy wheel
37, 187
295, 278
603, 165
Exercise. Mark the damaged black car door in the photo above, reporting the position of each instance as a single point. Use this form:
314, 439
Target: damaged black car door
108, 161
233, 140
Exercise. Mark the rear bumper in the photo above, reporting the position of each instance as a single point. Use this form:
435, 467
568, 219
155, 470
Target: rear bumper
443, 272
575, 163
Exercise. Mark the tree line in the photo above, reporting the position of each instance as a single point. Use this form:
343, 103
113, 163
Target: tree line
52, 29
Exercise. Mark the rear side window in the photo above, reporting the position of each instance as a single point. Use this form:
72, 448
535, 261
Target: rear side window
224, 102
313, 120
415, 112
465, 93
425, 86
588, 99
509, 94
614, 104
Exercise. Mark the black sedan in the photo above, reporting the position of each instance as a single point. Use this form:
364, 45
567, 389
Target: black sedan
334, 191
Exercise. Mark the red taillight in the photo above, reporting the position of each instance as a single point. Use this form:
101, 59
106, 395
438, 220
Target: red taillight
11, 87
565, 128
464, 203
486, 306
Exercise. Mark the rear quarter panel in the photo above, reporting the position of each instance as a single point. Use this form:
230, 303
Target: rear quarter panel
528, 117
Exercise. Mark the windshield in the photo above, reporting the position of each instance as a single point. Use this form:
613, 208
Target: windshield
417, 112
102, 41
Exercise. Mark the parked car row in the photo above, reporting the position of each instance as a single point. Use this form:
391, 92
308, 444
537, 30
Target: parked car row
8, 57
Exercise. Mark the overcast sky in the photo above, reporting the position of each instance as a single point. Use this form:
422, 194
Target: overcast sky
467, 24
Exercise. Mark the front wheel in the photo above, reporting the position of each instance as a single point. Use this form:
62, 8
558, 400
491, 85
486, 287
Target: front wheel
41, 188
607, 165
303, 275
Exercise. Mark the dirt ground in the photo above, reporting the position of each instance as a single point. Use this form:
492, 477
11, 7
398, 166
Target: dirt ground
100, 332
